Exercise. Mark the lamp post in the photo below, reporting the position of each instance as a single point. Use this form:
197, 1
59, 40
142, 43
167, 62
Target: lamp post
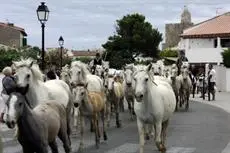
61, 43
43, 14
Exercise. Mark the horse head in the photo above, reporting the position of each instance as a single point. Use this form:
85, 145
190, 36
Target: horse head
79, 93
14, 108
141, 79
65, 76
27, 73
99, 71
128, 77
78, 73
184, 73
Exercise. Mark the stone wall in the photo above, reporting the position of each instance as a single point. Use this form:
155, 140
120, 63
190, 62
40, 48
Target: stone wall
172, 33
9, 37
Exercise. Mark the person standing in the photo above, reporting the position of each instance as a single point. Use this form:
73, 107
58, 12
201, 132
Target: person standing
9, 86
211, 80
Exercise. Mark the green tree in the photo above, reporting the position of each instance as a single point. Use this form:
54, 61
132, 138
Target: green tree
7, 56
169, 53
226, 57
53, 58
134, 36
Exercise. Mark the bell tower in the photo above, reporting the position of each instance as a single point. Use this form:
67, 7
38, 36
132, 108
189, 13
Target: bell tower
186, 16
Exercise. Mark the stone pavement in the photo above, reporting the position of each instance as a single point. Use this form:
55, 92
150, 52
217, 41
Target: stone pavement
222, 100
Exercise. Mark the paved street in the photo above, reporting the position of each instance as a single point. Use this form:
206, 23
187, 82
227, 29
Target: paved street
204, 129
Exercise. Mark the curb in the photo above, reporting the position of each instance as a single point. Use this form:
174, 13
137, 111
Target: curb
212, 104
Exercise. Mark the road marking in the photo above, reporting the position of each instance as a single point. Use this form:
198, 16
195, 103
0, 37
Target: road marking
75, 144
226, 149
125, 148
131, 147
180, 150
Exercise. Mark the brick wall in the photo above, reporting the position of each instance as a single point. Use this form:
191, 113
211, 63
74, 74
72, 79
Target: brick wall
9, 37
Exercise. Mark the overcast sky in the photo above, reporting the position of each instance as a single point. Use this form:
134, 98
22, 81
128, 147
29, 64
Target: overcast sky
88, 23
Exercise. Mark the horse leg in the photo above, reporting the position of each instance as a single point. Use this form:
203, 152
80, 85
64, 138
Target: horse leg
187, 101
53, 146
146, 130
96, 131
140, 127
108, 113
92, 128
163, 132
69, 117
80, 149
121, 105
177, 97
26, 149
63, 136
158, 142
103, 124
117, 113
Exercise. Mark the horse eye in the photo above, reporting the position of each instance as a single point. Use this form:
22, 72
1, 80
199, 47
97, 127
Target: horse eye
146, 79
82, 93
20, 104
79, 72
28, 76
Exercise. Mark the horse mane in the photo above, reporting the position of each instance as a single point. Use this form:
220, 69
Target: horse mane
82, 66
37, 74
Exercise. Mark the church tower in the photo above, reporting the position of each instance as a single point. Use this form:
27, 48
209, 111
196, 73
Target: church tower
186, 16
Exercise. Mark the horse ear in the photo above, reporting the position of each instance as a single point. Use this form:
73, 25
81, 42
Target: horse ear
149, 67
14, 65
86, 85
31, 64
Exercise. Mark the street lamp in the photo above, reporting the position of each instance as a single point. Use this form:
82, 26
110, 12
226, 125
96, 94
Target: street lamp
43, 14
61, 43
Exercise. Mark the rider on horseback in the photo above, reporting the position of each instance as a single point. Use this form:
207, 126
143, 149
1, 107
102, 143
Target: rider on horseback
96, 61
180, 60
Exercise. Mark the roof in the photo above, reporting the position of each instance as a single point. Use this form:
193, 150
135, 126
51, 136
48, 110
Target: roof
13, 27
84, 53
215, 27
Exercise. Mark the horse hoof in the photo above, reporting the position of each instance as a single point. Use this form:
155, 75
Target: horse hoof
162, 148
147, 137
105, 137
80, 150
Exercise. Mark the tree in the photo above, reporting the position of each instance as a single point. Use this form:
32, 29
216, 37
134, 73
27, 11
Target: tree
226, 57
53, 58
134, 36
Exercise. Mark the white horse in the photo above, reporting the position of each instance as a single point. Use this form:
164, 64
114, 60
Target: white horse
29, 81
81, 75
154, 104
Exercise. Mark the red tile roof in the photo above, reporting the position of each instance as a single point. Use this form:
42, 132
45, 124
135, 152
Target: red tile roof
84, 53
218, 26
14, 27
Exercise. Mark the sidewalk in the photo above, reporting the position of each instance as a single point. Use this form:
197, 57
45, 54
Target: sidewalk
222, 100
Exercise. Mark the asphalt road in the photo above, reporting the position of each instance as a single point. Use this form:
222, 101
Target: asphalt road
204, 129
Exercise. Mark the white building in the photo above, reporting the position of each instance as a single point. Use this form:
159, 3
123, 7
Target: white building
204, 42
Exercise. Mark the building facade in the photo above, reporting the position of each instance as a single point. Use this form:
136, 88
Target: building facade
173, 30
204, 42
12, 36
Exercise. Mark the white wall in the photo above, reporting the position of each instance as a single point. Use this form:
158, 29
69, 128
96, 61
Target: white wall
204, 55
201, 43
222, 78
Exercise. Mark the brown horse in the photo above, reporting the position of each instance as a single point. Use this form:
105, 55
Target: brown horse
38, 127
90, 104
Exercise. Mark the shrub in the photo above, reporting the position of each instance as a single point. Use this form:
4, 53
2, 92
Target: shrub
169, 53
226, 57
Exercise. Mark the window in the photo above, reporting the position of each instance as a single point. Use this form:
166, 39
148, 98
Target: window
225, 42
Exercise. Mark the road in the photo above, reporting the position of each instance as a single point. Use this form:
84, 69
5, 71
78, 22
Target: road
204, 129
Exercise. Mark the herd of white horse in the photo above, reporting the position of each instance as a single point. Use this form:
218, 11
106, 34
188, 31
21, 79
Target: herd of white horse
41, 111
